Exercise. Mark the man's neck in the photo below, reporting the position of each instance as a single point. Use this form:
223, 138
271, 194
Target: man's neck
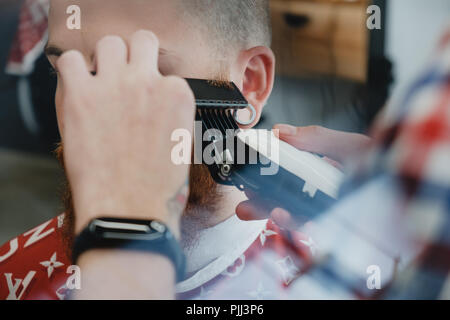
227, 206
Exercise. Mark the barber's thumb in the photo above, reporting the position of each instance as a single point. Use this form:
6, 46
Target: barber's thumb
252, 210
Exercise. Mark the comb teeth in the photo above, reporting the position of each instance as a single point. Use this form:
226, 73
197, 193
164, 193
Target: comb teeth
216, 101
218, 118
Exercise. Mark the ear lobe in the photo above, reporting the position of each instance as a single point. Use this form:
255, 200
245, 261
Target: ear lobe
258, 77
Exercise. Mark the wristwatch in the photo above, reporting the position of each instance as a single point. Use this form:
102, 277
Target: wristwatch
131, 234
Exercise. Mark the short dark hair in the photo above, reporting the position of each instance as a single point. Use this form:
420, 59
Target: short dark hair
233, 23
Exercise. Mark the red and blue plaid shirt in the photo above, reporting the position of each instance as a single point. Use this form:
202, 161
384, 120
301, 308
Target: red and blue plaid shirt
394, 211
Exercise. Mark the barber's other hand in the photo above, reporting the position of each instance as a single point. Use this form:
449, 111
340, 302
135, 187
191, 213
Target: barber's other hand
336, 146
116, 131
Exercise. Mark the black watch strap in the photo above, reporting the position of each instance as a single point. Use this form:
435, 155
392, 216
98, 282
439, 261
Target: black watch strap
131, 234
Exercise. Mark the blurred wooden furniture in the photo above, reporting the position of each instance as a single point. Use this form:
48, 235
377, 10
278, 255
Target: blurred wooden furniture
326, 37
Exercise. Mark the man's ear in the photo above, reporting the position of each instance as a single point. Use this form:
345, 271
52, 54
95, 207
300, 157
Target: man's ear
256, 71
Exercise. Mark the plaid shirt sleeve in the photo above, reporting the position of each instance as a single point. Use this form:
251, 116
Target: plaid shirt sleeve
389, 236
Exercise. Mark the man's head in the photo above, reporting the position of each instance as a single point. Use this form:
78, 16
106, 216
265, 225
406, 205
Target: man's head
199, 38
209, 39
231, 24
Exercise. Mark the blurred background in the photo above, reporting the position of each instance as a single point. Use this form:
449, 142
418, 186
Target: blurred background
331, 71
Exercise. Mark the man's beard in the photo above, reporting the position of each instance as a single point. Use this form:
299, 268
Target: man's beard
204, 199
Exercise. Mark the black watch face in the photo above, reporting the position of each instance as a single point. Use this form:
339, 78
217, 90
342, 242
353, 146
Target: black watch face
127, 229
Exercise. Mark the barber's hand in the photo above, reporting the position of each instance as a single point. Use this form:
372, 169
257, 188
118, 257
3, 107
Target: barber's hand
116, 131
336, 146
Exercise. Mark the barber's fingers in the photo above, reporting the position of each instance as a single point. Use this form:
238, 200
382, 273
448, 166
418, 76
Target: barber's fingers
336, 145
73, 69
334, 163
312, 138
283, 218
144, 52
252, 210
257, 210
111, 52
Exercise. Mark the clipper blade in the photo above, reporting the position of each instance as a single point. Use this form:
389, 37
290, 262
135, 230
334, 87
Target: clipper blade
217, 103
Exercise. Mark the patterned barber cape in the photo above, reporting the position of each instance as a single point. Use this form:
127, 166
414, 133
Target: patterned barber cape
233, 260
34, 265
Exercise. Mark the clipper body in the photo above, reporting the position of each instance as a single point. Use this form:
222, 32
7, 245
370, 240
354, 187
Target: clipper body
304, 184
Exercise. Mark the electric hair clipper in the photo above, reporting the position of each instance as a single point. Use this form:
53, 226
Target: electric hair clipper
255, 160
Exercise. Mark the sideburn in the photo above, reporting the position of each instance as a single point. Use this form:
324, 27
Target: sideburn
67, 231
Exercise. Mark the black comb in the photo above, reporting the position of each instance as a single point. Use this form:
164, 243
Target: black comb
217, 103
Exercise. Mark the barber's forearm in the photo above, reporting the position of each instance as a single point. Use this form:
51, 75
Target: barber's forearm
117, 274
